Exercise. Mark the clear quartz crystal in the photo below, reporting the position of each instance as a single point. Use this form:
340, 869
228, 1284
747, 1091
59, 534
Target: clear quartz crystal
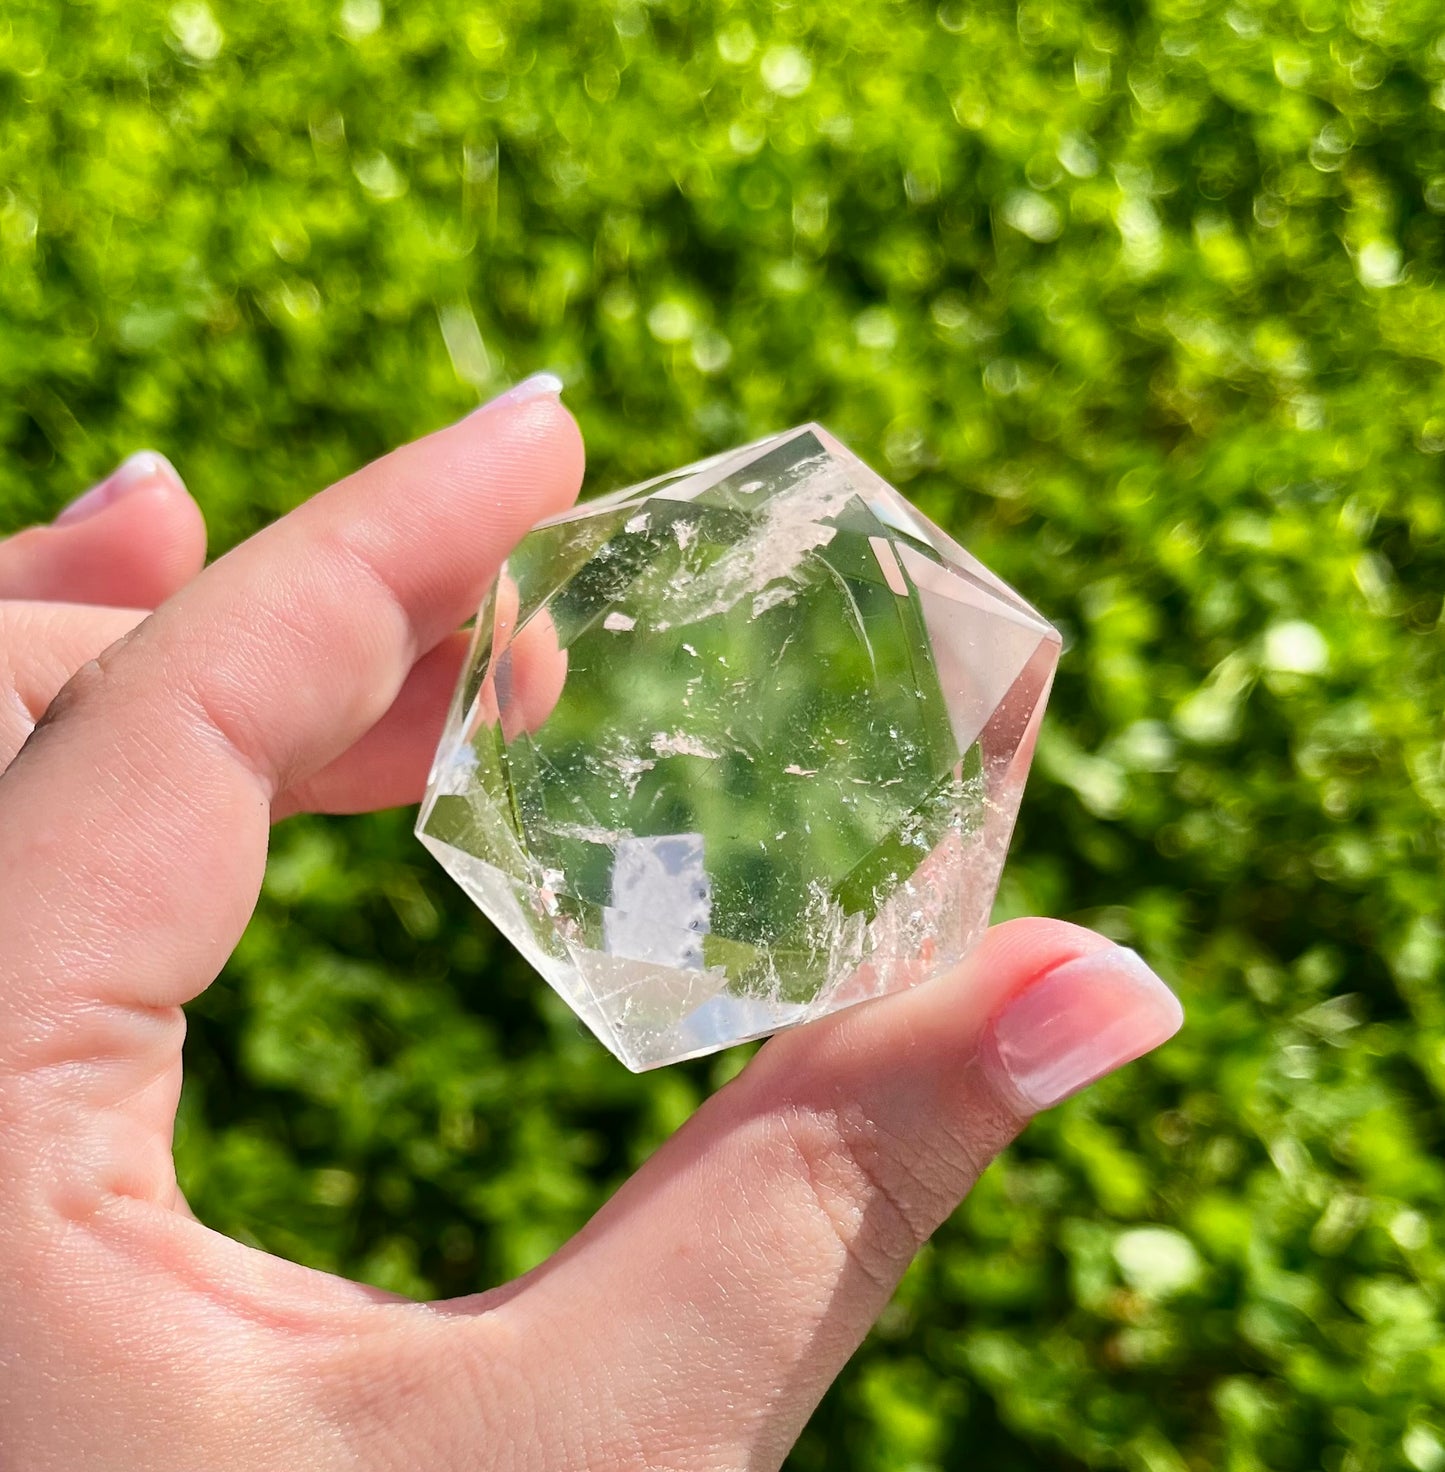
738, 747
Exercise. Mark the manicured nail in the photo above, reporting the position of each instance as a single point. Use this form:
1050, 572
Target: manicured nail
140, 469
1078, 1022
538, 386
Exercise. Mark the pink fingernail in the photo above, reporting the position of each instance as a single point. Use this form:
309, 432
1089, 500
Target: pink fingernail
1078, 1022
138, 470
538, 386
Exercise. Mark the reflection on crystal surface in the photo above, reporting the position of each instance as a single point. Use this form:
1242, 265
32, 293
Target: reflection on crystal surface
661, 901
739, 747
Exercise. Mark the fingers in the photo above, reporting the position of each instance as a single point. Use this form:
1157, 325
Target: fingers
135, 821
727, 1283
389, 765
526, 667
129, 542
41, 647
532, 670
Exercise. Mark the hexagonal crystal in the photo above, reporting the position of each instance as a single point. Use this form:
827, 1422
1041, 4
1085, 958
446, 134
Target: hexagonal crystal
738, 747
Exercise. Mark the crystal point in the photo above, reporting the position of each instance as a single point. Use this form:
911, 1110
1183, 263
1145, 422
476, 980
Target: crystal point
739, 747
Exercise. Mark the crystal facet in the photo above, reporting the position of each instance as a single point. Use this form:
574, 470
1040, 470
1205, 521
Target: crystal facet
738, 747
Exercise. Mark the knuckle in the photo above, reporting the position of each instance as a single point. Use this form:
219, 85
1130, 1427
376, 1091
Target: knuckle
82, 688
86, 686
971, 1139
880, 1195
80, 691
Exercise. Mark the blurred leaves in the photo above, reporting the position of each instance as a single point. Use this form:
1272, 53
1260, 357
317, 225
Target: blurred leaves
1145, 302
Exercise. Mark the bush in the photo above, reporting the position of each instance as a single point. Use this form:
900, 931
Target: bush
1144, 302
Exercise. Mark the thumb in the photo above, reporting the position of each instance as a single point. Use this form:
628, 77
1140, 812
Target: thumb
719, 1293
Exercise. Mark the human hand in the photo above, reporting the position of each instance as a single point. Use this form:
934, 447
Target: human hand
696, 1320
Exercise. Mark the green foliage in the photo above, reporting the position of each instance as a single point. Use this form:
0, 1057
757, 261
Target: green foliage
1144, 302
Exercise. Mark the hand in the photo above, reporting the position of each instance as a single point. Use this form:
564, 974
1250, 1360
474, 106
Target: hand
698, 1318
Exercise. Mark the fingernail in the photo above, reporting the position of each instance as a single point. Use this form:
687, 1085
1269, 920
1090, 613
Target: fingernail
140, 469
538, 386
1078, 1022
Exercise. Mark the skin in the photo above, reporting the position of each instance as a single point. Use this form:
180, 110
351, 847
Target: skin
693, 1324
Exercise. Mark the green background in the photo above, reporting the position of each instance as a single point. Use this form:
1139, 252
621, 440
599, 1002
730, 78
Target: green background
1143, 301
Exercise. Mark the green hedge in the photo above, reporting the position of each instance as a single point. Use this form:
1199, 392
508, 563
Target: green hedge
1143, 300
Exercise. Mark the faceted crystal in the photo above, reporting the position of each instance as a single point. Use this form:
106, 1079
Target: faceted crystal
738, 747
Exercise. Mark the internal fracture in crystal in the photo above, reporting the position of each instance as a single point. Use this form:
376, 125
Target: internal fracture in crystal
739, 747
